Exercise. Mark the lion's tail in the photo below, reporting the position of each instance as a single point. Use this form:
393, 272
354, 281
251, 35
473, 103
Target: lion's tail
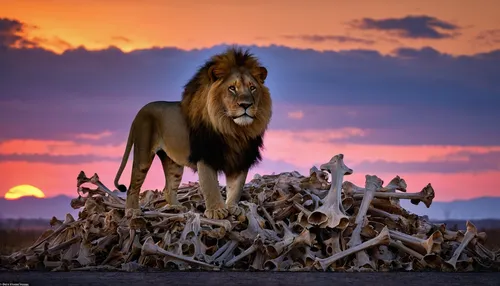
128, 147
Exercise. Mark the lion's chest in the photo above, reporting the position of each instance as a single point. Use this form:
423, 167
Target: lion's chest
230, 156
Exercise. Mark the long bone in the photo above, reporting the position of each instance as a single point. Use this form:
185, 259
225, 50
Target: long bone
258, 261
383, 238
372, 184
224, 257
150, 248
403, 222
330, 213
426, 195
255, 225
428, 246
289, 241
470, 233
68, 221
82, 178
400, 246
183, 216
395, 184
257, 243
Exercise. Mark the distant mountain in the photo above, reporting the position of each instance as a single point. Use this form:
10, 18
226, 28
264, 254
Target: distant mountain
480, 208
32, 207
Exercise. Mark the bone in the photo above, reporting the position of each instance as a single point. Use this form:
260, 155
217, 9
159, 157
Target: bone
383, 238
330, 213
150, 248
372, 184
469, 235
430, 245
425, 196
277, 211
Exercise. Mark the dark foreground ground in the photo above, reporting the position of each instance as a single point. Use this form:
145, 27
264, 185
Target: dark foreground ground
246, 278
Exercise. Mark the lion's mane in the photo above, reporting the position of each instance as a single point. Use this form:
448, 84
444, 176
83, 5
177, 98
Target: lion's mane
217, 140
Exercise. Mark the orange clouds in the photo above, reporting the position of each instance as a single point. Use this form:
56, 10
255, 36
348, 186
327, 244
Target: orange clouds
143, 24
58, 148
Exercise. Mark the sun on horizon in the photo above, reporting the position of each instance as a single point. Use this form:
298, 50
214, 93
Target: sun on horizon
24, 191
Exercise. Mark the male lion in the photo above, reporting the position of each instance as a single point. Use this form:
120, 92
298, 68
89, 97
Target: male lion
217, 127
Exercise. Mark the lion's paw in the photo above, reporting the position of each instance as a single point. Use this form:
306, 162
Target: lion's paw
235, 210
219, 213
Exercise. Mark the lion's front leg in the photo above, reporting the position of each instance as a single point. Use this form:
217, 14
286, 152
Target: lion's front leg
234, 188
209, 185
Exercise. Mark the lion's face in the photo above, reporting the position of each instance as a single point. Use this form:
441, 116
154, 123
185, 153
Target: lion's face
242, 99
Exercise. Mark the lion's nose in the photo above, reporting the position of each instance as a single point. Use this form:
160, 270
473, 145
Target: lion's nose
245, 105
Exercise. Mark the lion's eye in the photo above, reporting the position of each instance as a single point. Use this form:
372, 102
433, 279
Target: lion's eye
232, 88
252, 88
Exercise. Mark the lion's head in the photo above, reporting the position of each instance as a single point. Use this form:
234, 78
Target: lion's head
228, 94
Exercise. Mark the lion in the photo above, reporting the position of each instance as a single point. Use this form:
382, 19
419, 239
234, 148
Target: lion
217, 127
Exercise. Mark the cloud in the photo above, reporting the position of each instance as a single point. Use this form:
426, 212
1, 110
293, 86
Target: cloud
296, 114
55, 159
412, 26
121, 39
329, 38
422, 92
489, 37
11, 34
97, 136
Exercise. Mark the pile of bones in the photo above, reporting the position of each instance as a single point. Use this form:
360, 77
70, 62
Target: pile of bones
291, 223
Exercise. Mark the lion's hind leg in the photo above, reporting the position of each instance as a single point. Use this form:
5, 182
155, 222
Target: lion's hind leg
173, 176
143, 158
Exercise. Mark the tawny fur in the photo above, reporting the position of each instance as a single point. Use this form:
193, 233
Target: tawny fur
218, 126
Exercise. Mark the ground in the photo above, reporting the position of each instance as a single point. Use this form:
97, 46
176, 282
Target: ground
247, 278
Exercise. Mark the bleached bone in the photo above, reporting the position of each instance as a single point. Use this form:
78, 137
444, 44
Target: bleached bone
470, 233
150, 248
383, 238
430, 245
258, 261
332, 244
288, 242
372, 184
395, 184
256, 225
319, 174
78, 202
85, 256
330, 213
224, 256
401, 220
257, 243
283, 202
310, 199
275, 264
217, 222
425, 196
114, 255
269, 219
68, 221
95, 180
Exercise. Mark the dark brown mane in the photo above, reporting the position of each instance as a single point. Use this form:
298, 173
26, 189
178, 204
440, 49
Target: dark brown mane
239, 149
232, 57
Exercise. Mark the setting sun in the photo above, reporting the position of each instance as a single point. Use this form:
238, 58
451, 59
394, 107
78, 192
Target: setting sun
24, 191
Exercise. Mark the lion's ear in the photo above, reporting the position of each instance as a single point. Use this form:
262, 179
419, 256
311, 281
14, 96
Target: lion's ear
263, 74
215, 73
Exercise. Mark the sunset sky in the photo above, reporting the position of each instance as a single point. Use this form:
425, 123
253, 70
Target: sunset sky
408, 88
